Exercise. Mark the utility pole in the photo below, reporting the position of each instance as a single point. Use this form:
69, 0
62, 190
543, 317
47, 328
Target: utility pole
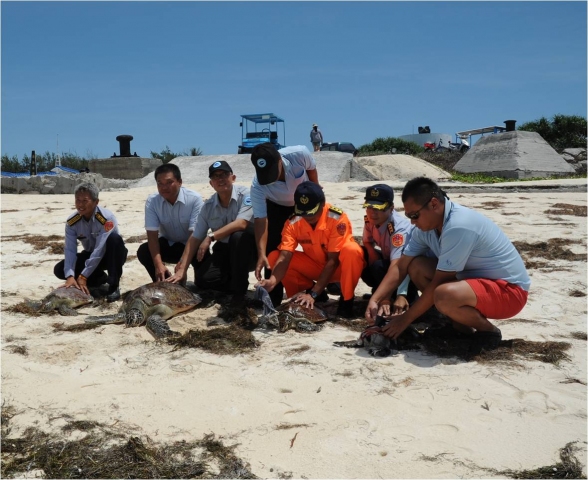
58, 162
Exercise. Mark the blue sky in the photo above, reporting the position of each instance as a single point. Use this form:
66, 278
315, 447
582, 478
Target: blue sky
180, 74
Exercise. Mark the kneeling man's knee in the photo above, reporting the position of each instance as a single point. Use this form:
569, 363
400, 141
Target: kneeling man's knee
445, 296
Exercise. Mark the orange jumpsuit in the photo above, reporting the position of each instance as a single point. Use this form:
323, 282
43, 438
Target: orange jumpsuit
332, 233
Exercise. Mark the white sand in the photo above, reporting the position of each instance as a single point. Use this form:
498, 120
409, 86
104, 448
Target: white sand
405, 416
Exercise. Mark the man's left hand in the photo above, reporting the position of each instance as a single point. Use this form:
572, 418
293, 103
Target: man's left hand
396, 325
304, 299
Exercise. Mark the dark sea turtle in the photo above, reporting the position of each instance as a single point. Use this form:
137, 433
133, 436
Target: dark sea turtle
373, 340
64, 300
151, 305
289, 315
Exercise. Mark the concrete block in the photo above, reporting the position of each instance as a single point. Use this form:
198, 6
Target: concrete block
125, 168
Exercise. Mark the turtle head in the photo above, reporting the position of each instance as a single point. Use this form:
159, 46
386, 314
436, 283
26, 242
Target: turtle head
134, 318
285, 322
45, 307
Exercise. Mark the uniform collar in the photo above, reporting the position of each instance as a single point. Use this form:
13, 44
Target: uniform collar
234, 196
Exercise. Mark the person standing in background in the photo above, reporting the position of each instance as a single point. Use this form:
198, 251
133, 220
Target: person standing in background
316, 137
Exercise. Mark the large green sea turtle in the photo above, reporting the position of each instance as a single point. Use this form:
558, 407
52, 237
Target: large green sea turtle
151, 305
62, 299
290, 315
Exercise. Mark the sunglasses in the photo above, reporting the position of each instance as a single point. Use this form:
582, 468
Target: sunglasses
417, 214
220, 175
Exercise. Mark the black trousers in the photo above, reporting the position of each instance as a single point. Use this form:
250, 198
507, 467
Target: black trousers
227, 269
113, 260
169, 254
373, 274
276, 217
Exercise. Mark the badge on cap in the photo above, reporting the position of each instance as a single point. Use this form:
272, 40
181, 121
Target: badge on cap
398, 240
261, 163
108, 226
303, 199
216, 164
375, 192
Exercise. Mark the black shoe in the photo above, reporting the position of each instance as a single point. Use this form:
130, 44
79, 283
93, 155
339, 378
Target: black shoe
113, 296
334, 289
345, 308
484, 341
97, 279
238, 301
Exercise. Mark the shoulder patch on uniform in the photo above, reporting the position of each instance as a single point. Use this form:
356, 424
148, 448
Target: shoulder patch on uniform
75, 219
390, 228
398, 240
100, 218
336, 210
247, 201
366, 219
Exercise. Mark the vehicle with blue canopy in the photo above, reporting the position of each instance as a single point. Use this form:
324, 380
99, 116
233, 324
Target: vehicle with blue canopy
261, 128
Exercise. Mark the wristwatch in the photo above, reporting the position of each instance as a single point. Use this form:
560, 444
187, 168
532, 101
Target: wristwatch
211, 236
313, 294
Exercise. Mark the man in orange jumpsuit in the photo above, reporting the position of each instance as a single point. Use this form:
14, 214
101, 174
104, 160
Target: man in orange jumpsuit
330, 254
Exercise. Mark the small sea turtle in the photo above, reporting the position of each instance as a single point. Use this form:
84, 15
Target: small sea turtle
151, 305
64, 300
289, 315
373, 340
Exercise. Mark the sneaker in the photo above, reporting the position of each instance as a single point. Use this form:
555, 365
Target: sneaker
113, 296
345, 308
484, 341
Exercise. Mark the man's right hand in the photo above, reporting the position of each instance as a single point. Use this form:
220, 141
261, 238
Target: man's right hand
180, 277
161, 273
371, 311
261, 263
71, 282
268, 284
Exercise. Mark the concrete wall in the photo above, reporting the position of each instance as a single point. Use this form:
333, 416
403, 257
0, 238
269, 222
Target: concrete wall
516, 154
125, 168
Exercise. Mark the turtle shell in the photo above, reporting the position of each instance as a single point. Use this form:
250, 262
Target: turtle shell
173, 296
70, 297
296, 310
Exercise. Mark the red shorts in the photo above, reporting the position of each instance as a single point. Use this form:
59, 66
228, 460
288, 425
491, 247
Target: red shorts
498, 299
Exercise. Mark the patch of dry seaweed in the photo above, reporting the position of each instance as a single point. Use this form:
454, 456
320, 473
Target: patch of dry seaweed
39, 242
231, 340
105, 453
579, 335
77, 327
136, 238
552, 249
568, 209
20, 349
26, 309
491, 205
288, 426
568, 467
577, 293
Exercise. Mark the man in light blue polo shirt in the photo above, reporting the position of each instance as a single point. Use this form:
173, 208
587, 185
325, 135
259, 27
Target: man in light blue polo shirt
170, 216
476, 272
229, 216
277, 174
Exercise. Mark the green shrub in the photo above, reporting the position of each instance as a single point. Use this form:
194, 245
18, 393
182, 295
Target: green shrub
385, 145
561, 132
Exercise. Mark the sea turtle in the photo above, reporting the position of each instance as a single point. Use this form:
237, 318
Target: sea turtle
373, 340
289, 315
151, 305
64, 300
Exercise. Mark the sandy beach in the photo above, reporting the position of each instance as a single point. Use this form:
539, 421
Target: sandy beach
410, 415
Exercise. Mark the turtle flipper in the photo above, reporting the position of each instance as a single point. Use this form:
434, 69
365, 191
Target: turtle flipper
304, 326
66, 311
105, 320
159, 328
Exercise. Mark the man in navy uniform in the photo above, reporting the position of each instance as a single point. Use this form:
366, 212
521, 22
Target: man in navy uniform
104, 248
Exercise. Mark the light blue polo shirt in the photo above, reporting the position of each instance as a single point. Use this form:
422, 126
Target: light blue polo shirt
471, 245
296, 160
174, 222
214, 216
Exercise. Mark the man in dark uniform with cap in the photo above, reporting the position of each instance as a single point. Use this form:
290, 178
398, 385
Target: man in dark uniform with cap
278, 173
330, 254
97, 229
229, 216
385, 234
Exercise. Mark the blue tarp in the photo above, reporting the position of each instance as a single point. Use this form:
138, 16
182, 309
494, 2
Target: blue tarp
41, 174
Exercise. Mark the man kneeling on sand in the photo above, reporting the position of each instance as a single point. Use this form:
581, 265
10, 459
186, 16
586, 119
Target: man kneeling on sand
476, 272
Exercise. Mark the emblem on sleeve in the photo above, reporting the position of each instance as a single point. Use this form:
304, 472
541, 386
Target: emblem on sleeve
341, 228
247, 201
398, 240
108, 226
